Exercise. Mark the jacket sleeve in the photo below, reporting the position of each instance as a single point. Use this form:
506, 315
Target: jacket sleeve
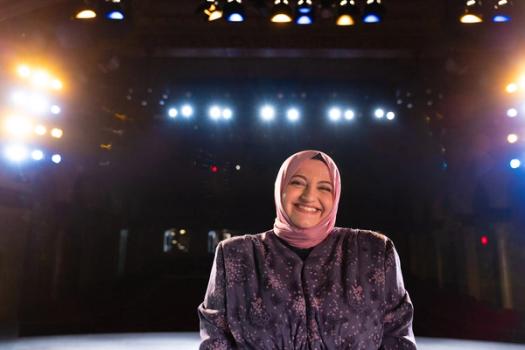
214, 331
399, 312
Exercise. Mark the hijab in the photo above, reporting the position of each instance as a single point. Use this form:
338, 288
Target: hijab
283, 226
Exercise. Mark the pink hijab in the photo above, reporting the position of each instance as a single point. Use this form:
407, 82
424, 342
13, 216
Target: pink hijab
283, 227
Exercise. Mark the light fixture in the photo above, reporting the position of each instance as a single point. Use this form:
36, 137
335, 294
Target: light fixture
373, 12
85, 11
501, 11
211, 10
347, 13
113, 10
56, 158
186, 111
267, 113
173, 112
234, 11
227, 113
379, 113
56, 133
18, 126
512, 113
304, 12
349, 114
215, 112
37, 154
390, 115
281, 12
334, 114
293, 114
515, 163
472, 12
512, 138
16, 153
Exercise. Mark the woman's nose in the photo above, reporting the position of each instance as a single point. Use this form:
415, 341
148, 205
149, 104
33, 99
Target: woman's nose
307, 194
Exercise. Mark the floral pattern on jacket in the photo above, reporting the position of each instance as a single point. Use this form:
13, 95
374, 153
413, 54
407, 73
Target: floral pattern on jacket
347, 294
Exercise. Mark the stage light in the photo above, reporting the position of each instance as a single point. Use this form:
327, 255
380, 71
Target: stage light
40, 130
512, 88
227, 113
18, 126
515, 163
41, 79
211, 10
373, 12
215, 112
335, 114
267, 113
23, 71
472, 12
293, 114
173, 112
115, 15
512, 138
484, 240
349, 114
379, 113
237, 167
304, 12
56, 133
55, 109
281, 12
56, 158
37, 154
234, 11
186, 111
347, 13
390, 116
86, 14
16, 153
38, 104
501, 11
56, 84
512, 112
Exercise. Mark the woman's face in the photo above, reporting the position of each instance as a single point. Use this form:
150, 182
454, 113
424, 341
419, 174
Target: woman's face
308, 197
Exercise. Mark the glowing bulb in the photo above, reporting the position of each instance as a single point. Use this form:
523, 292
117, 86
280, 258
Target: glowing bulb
187, 111
57, 133
173, 112
293, 114
371, 18
56, 84
349, 114
379, 113
37, 154
512, 138
512, 88
390, 115
16, 153
281, 18
115, 15
18, 126
267, 113
345, 20
55, 109
512, 112
40, 78
56, 158
86, 14
515, 163
215, 112
40, 130
334, 114
470, 19
24, 71
227, 113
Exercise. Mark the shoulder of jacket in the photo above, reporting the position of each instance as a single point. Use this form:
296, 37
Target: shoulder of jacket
372, 237
238, 242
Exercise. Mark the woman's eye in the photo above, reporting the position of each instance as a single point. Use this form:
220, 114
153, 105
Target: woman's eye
296, 182
327, 189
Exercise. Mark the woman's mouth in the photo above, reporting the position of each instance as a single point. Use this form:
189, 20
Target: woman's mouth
307, 209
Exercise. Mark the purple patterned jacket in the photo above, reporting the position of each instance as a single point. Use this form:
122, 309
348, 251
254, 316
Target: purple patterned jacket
347, 294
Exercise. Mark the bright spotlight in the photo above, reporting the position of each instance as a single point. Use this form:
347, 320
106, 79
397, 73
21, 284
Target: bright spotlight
470, 19
56, 84
335, 114
173, 112
371, 18
187, 111
38, 104
227, 113
18, 126
347, 13
234, 11
86, 14
55, 109
57, 133
473, 12
379, 113
390, 115
515, 163
373, 12
37, 154
349, 114
304, 20
512, 138
267, 113
215, 112
115, 15
293, 114
56, 158
23, 71
16, 153
281, 12
512, 88
40, 78
40, 130
500, 19
512, 112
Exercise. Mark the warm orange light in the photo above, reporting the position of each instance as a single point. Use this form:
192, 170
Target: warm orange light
86, 14
512, 88
23, 71
56, 84
470, 18
57, 133
345, 20
281, 18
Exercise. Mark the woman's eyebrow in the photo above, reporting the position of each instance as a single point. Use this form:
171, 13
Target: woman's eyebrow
326, 182
301, 176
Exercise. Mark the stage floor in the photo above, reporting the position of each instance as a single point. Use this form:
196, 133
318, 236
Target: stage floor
186, 341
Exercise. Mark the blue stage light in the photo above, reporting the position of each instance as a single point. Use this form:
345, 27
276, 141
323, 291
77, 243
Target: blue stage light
304, 20
56, 158
115, 15
501, 19
267, 113
37, 154
186, 111
235, 17
515, 163
173, 112
335, 114
293, 114
371, 18
16, 153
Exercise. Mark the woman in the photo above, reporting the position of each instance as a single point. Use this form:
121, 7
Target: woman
307, 284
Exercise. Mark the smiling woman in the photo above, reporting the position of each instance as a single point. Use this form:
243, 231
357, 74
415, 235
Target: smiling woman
307, 284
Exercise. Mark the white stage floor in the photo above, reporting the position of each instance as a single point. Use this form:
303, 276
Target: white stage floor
187, 341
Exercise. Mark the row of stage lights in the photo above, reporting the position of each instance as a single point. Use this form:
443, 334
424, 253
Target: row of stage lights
516, 89
112, 10
345, 12
23, 112
269, 113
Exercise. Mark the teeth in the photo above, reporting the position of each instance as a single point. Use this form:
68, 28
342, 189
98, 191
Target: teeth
307, 208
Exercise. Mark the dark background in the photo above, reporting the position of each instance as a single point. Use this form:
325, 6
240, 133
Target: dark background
435, 180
